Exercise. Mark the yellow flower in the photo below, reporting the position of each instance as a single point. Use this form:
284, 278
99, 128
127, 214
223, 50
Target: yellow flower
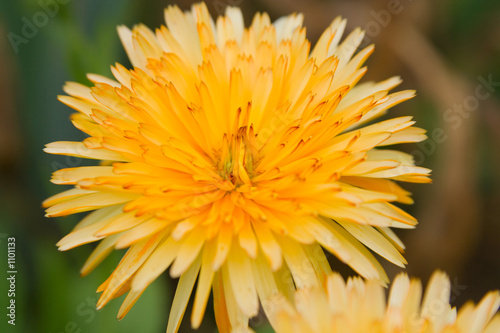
234, 155
360, 307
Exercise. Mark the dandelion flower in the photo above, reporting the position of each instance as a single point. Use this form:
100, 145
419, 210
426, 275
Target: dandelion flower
234, 156
360, 307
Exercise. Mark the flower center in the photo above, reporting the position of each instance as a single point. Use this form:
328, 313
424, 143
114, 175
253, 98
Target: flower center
236, 163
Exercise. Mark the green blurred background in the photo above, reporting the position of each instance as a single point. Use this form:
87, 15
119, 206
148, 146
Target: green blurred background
445, 50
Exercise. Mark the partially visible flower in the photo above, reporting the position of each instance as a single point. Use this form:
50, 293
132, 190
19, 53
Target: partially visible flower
360, 307
234, 156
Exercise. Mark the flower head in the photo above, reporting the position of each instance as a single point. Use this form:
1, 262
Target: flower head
233, 155
360, 306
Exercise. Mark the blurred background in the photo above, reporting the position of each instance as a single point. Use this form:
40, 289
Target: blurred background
449, 51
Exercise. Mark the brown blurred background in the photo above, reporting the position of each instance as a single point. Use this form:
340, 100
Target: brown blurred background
449, 51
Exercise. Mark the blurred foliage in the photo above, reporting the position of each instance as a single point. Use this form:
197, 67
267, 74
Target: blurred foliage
52, 297
81, 38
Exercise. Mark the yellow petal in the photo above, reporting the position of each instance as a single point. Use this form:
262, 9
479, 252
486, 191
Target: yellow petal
242, 281
188, 252
299, 264
105, 247
182, 294
89, 202
78, 149
129, 264
374, 241
204, 285
268, 244
156, 264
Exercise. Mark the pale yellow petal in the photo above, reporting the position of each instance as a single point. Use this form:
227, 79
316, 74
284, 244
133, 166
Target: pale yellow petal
375, 241
129, 264
156, 264
78, 149
182, 295
105, 247
204, 285
242, 282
